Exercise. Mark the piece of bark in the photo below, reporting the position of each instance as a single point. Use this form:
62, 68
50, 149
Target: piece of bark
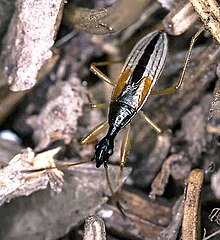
107, 20
59, 118
14, 183
47, 215
191, 225
161, 180
27, 43
10, 99
171, 232
94, 228
180, 19
145, 218
209, 13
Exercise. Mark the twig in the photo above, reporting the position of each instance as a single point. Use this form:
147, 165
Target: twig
180, 19
107, 20
209, 13
211, 235
28, 42
171, 232
94, 228
191, 211
161, 180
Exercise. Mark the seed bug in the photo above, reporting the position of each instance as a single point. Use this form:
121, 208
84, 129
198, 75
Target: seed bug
135, 83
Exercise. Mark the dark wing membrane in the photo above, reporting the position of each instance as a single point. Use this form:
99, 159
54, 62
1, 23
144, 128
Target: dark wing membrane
140, 67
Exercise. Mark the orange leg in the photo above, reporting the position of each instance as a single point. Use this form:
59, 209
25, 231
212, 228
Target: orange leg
114, 196
97, 105
153, 125
95, 132
125, 146
100, 74
63, 166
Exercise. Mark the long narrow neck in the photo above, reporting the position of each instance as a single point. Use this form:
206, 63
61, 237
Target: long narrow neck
112, 132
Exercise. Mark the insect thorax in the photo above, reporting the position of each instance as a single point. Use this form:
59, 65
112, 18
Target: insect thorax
120, 114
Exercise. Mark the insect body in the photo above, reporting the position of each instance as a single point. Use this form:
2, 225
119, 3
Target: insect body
135, 83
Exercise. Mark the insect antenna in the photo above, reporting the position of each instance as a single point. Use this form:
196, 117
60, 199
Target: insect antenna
54, 167
113, 194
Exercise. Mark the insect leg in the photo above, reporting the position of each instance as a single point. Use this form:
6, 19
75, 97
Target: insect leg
181, 78
63, 166
95, 132
109, 183
153, 125
114, 196
99, 73
97, 105
125, 146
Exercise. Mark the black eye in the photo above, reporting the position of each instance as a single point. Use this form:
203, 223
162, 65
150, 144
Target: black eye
96, 146
110, 152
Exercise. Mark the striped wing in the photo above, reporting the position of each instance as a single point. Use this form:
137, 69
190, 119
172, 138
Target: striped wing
142, 69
